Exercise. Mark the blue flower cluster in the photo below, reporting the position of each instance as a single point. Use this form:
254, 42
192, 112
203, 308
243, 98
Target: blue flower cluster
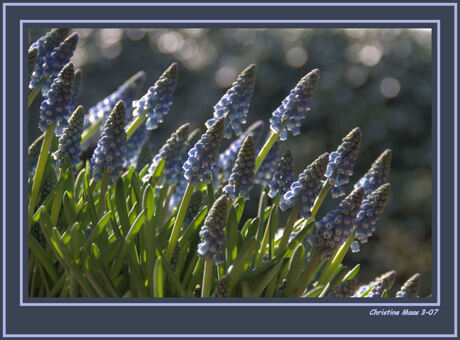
172, 152
289, 115
127, 92
203, 156
110, 150
377, 174
410, 289
370, 211
306, 188
265, 172
76, 89
337, 225
69, 143
341, 162
380, 284
156, 102
345, 289
221, 289
54, 62
55, 108
234, 105
228, 157
42, 50
134, 144
283, 175
241, 180
212, 232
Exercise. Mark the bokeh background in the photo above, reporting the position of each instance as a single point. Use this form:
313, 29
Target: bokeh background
377, 79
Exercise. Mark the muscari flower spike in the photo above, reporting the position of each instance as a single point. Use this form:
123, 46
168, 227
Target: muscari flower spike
234, 105
228, 157
370, 211
377, 174
410, 289
265, 172
76, 89
345, 289
380, 284
283, 175
158, 99
212, 233
69, 142
55, 108
59, 57
341, 162
241, 180
134, 144
32, 57
43, 47
110, 150
171, 152
221, 289
127, 92
289, 115
176, 198
337, 225
194, 206
306, 188
203, 156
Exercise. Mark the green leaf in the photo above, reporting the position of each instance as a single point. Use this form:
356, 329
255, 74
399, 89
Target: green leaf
42, 257
352, 273
120, 201
231, 237
296, 266
241, 263
69, 209
97, 230
158, 278
89, 198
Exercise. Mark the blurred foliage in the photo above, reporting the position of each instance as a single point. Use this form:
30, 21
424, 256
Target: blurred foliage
377, 79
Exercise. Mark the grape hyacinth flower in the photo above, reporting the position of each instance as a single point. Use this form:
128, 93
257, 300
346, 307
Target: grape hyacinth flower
171, 152
410, 289
289, 115
158, 99
194, 206
76, 89
341, 162
203, 156
306, 188
337, 225
32, 57
379, 285
370, 211
241, 180
69, 143
59, 57
134, 144
127, 92
212, 233
43, 46
283, 175
234, 105
377, 174
221, 289
109, 153
193, 137
55, 107
228, 157
265, 172
345, 289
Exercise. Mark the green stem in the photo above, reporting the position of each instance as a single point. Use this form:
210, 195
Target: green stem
33, 94
42, 158
135, 125
288, 227
265, 149
179, 221
89, 132
164, 210
207, 277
